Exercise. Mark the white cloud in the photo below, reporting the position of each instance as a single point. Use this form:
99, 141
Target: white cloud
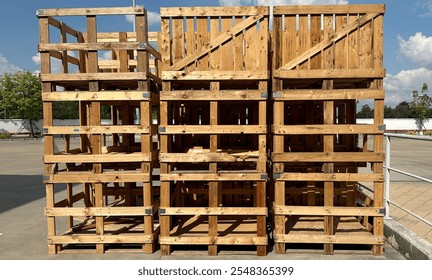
279, 2
152, 18
417, 48
399, 87
424, 8
6, 67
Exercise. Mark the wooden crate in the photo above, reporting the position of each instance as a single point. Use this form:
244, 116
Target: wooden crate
213, 128
106, 168
325, 59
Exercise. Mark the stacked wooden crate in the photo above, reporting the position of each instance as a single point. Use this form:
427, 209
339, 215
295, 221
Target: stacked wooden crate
107, 169
326, 58
213, 131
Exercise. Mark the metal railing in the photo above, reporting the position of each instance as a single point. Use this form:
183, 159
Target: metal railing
388, 169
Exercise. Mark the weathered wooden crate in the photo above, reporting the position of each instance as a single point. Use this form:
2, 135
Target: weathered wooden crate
111, 163
326, 58
213, 128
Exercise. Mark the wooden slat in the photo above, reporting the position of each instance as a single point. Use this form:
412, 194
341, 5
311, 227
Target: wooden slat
232, 211
369, 73
209, 95
94, 77
98, 47
328, 211
89, 177
105, 129
214, 177
215, 75
206, 240
328, 9
335, 94
116, 95
202, 157
113, 157
89, 11
330, 239
213, 129
334, 177
63, 26
105, 239
329, 157
327, 129
219, 40
98, 211
212, 11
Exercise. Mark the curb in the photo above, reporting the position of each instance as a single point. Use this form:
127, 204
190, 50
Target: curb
412, 246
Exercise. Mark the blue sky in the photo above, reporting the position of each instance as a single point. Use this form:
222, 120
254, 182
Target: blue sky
407, 34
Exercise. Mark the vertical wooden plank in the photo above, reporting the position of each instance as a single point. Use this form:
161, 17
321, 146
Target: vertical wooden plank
191, 45
165, 196
251, 48
328, 63
315, 38
341, 54
263, 44
177, 39
365, 47
353, 45
95, 120
378, 223
69, 188
202, 40
215, 59
214, 187
165, 45
123, 56
289, 44
303, 39
44, 38
227, 49
238, 48
277, 43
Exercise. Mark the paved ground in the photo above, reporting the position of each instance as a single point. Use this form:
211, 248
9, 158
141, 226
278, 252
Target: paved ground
23, 225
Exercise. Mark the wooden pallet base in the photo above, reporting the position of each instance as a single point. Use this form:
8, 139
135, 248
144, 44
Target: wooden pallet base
310, 230
232, 231
120, 234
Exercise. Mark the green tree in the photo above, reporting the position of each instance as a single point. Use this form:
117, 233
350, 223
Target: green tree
365, 112
403, 110
20, 96
420, 105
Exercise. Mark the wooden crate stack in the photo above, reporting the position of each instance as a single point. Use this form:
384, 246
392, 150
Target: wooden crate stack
213, 132
326, 58
107, 170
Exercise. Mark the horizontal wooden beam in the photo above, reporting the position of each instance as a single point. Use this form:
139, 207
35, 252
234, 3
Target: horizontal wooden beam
208, 240
322, 129
215, 75
213, 129
91, 177
214, 177
378, 73
328, 157
330, 239
210, 95
103, 129
328, 9
330, 177
219, 211
212, 11
335, 94
90, 11
126, 76
328, 211
116, 95
98, 47
99, 211
101, 239
102, 158
203, 157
